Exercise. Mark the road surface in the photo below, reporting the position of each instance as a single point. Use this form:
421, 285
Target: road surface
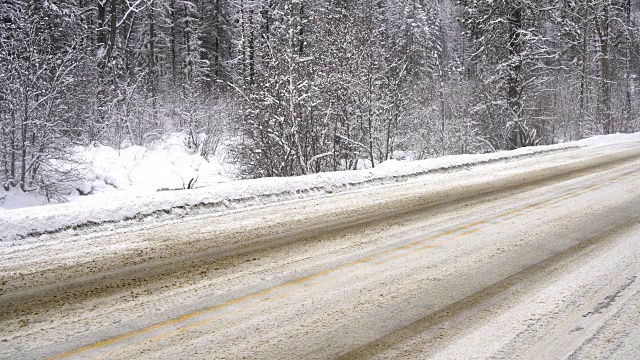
534, 258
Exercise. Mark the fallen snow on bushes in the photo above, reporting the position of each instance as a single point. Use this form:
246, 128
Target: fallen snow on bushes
138, 172
133, 171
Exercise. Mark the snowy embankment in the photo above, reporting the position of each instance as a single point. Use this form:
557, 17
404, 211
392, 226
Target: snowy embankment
134, 170
128, 204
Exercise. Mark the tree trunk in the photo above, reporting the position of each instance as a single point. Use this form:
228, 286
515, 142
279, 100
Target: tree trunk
583, 71
243, 44
301, 30
293, 93
152, 65
370, 86
602, 27
628, 79
174, 21
13, 146
187, 44
101, 33
113, 12
252, 50
216, 47
24, 141
513, 82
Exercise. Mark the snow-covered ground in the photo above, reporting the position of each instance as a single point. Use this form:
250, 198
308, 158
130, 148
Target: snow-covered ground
524, 248
135, 170
126, 184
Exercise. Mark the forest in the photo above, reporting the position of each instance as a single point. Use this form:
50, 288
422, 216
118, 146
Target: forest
306, 86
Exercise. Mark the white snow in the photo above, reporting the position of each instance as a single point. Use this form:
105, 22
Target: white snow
169, 166
134, 171
137, 173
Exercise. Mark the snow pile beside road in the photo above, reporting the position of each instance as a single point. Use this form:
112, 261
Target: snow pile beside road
135, 170
125, 205
169, 165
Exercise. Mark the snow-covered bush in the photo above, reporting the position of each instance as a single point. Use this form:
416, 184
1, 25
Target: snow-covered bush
204, 120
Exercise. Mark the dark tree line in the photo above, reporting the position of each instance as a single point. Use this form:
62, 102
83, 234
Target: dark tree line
302, 86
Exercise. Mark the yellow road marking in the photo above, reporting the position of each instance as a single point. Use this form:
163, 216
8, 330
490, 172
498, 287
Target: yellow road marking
469, 232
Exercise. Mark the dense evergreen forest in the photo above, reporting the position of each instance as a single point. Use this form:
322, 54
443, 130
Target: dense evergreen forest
305, 86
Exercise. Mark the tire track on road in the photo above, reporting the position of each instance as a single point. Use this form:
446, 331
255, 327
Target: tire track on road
196, 319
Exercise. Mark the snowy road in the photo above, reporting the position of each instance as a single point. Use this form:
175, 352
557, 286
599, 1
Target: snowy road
534, 258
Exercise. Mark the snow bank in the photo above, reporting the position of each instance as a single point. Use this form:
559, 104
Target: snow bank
124, 205
169, 165
135, 170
